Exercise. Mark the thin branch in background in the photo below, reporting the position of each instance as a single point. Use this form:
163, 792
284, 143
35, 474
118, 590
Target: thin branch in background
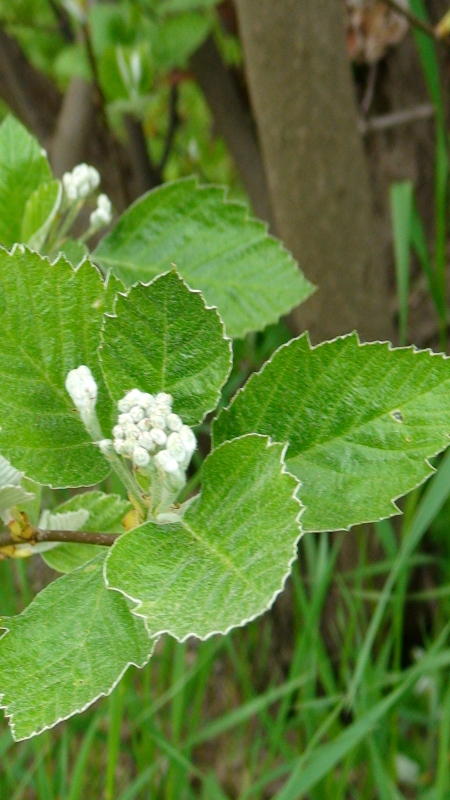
174, 121
392, 120
78, 537
413, 19
63, 21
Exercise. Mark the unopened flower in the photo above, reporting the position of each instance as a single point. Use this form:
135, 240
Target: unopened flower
81, 182
103, 213
81, 386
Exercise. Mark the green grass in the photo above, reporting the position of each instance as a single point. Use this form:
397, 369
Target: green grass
234, 717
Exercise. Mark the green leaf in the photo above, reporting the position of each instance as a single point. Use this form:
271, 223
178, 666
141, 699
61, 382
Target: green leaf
177, 37
228, 557
23, 167
74, 251
40, 211
361, 421
70, 646
9, 476
13, 496
50, 323
215, 246
164, 338
104, 514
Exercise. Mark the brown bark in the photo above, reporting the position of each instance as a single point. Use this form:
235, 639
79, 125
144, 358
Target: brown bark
303, 101
232, 120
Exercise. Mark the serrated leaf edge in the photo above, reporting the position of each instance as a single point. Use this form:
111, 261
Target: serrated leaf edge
353, 334
10, 716
246, 620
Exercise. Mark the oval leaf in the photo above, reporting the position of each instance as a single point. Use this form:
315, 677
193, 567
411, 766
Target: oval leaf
50, 323
164, 338
70, 646
228, 557
23, 167
361, 421
215, 246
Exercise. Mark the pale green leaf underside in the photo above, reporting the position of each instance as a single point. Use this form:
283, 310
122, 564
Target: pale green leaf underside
216, 248
70, 646
228, 558
40, 211
9, 476
23, 167
163, 338
105, 514
50, 323
361, 422
13, 496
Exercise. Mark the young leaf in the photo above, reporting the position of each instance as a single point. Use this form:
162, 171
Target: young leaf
228, 557
361, 421
50, 323
164, 338
216, 248
23, 167
40, 211
105, 513
70, 646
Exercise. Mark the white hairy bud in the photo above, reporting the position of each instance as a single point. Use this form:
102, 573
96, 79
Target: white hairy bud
188, 439
103, 213
136, 414
164, 399
176, 448
158, 436
146, 440
81, 386
157, 420
105, 446
118, 432
174, 422
81, 182
166, 462
141, 457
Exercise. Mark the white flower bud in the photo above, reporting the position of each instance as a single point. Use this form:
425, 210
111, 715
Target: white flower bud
128, 446
118, 432
174, 422
163, 399
141, 457
103, 213
120, 446
79, 183
158, 436
146, 400
145, 440
144, 424
136, 414
105, 446
131, 432
157, 420
124, 419
188, 439
164, 460
175, 448
131, 398
82, 388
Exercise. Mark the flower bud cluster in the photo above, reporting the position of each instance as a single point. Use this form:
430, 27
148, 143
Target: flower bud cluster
103, 213
81, 182
147, 429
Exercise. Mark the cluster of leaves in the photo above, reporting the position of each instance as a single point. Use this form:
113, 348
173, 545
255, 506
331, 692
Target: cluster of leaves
322, 438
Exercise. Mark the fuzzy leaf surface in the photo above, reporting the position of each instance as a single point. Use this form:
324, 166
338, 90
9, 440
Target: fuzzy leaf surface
228, 557
104, 515
361, 421
23, 167
50, 323
216, 248
164, 338
69, 647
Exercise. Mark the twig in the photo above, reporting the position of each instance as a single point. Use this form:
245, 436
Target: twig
403, 117
174, 121
77, 537
412, 18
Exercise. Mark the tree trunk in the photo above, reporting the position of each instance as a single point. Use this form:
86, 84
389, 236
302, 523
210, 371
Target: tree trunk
303, 101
